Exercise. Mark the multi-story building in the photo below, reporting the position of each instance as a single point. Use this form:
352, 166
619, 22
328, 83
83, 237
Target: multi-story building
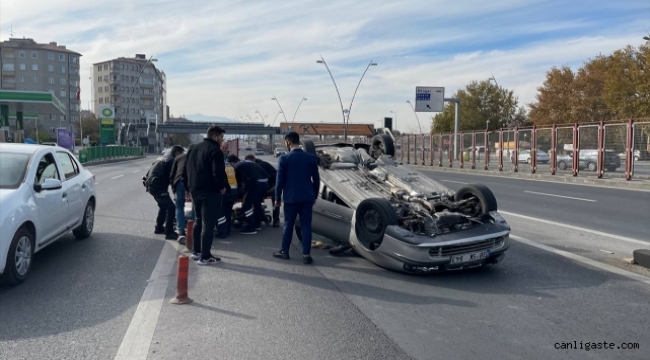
135, 88
29, 66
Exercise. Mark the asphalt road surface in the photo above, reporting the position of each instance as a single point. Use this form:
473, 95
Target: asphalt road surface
106, 297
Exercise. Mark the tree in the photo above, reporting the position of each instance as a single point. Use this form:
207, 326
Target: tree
90, 127
179, 139
483, 105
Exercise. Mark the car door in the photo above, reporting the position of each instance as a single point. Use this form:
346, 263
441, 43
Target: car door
52, 205
72, 182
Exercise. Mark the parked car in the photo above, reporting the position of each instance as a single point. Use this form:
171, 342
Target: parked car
259, 152
279, 152
45, 193
588, 159
248, 148
525, 156
399, 218
639, 155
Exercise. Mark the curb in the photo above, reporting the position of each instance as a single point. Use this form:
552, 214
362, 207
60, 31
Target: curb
642, 258
111, 161
622, 184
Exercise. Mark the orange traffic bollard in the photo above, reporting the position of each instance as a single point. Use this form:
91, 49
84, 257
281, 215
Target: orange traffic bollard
181, 282
189, 240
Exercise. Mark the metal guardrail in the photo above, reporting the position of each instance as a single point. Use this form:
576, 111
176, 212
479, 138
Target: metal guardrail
98, 153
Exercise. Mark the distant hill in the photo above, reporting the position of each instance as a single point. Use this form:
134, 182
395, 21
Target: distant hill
205, 118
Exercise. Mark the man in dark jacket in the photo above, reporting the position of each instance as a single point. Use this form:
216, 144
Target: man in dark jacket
298, 183
177, 178
273, 173
206, 180
157, 184
253, 182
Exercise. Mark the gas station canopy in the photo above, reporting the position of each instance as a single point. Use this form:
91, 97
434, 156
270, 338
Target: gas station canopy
31, 103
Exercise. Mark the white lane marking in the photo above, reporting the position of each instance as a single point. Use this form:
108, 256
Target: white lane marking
117, 177
606, 251
455, 182
135, 171
572, 227
560, 196
584, 260
138, 337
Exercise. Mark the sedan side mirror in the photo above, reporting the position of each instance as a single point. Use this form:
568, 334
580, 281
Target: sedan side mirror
51, 184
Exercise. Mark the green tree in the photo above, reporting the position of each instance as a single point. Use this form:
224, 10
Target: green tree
481, 102
89, 124
179, 139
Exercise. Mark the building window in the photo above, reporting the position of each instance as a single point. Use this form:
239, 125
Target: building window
100, 89
115, 88
107, 88
21, 54
34, 55
73, 58
108, 100
99, 68
35, 67
50, 68
50, 56
51, 80
99, 79
63, 81
21, 66
8, 66
22, 79
62, 93
62, 69
61, 57
35, 79
105, 66
101, 100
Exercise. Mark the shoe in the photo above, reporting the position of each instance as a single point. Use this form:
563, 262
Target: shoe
181, 239
307, 259
171, 236
276, 223
159, 231
247, 232
195, 256
211, 261
281, 255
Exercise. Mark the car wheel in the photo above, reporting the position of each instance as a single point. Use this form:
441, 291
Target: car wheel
308, 146
591, 166
19, 258
372, 218
382, 144
487, 200
86, 228
561, 165
528, 160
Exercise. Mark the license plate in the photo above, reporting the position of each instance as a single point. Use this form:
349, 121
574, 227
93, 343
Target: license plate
482, 255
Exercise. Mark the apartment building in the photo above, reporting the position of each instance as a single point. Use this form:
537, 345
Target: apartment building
30, 66
138, 95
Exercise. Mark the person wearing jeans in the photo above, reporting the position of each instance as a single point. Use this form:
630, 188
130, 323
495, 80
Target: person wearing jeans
177, 178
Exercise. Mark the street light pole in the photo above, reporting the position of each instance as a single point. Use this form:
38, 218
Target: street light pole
294, 115
282, 111
416, 115
355, 93
276, 117
345, 128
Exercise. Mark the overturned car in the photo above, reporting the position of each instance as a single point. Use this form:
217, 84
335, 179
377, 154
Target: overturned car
398, 218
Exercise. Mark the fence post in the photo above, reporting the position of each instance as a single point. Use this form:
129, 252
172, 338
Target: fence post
487, 150
533, 148
423, 144
515, 154
408, 147
440, 151
431, 148
473, 150
576, 145
629, 150
553, 152
415, 149
601, 149
462, 146
501, 149
451, 153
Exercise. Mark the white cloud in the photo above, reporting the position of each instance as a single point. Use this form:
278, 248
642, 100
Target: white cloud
228, 58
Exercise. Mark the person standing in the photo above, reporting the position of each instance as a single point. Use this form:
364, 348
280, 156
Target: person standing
231, 194
157, 183
252, 181
298, 183
177, 179
207, 182
273, 173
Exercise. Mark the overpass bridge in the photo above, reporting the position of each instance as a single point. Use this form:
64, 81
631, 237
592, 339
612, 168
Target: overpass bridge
196, 127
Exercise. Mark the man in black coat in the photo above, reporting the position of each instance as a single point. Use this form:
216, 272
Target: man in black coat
253, 182
157, 182
273, 173
206, 180
177, 179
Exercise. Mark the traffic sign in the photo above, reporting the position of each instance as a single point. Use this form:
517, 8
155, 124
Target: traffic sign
429, 99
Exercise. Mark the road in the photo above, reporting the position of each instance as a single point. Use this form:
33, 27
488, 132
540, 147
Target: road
554, 287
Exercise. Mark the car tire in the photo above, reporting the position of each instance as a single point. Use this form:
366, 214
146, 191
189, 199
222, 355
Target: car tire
371, 219
485, 196
591, 166
84, 230
382, 144
308, 146
17, 271
561, 165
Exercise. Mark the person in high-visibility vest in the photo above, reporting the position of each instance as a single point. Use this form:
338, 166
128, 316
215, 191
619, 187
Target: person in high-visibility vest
231, 194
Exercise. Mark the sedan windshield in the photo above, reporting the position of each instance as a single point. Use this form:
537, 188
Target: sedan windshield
12, 169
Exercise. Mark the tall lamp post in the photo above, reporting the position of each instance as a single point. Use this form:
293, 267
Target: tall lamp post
394, 122
507, 119
343, 111
416, 115
280, 106
260, 114
294, 115
276, 117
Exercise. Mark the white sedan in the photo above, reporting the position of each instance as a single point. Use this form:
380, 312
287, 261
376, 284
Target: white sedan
45, 193
525, 156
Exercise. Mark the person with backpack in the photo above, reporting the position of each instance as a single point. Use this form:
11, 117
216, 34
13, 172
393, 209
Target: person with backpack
157, 183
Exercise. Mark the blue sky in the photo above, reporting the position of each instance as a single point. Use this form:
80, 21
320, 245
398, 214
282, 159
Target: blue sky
228, 58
